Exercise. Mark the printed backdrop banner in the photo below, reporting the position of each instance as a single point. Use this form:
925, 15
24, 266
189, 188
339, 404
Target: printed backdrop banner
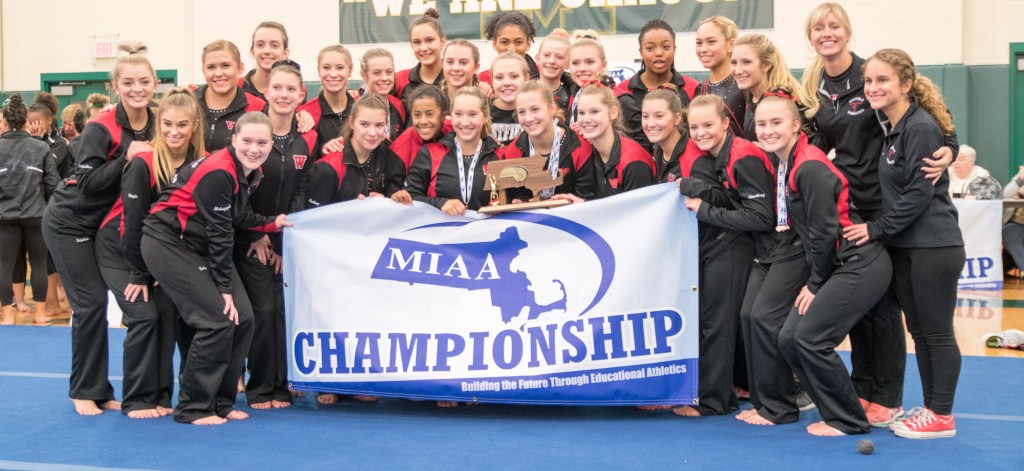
981, 223
387, 21
593, 303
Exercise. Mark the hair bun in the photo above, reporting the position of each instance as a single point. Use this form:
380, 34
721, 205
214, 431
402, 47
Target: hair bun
432, 13
97, 100
15, 100
584, 34
178, 91
48, 100
132, 47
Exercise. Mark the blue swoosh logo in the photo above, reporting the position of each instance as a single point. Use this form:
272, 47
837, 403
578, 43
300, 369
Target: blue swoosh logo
592, 239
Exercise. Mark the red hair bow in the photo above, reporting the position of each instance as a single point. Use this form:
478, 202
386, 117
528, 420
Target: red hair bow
780, 94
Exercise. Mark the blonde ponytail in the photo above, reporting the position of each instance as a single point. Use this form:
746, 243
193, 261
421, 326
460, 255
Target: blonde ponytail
134, 53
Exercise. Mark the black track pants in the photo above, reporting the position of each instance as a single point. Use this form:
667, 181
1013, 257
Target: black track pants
808, 341
149, 341
879, 348
771, 291
723, 279
209, 379
75, 258
268, 357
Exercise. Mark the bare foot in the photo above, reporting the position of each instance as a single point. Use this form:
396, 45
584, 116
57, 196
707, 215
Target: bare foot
144, 414
22, 307
237, 415
260, 405
366, 398
821, 429
111, 405
8, 312
164, 411
447, 404
86, 407
686, 411
40, 315
211, 420
280, 404
756, 419
327, 398
241, 384
654, 408
744, 413
54, 310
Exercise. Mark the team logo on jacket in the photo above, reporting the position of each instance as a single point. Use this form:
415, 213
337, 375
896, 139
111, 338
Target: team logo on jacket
231, 125
300, 161
519, 282
890, 155
505, 132
857, 106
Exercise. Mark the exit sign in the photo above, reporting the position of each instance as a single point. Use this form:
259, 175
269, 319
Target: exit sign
104, 47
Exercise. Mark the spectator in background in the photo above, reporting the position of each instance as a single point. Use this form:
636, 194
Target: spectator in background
70, 118
42, 124
967, 180
28, 176
74, 123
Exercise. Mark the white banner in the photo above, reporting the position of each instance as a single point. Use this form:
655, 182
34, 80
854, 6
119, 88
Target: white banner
981, 223
592, 303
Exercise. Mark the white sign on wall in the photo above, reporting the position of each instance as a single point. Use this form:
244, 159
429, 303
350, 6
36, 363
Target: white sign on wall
104, 47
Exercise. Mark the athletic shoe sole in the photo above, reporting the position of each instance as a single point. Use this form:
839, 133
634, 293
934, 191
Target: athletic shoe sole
905, 433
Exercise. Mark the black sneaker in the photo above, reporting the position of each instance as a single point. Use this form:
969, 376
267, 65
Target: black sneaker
804, 402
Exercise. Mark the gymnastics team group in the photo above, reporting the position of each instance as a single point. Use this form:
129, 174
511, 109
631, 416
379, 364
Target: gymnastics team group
177, 209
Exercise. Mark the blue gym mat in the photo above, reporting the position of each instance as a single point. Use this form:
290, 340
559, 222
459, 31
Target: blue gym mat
40, 430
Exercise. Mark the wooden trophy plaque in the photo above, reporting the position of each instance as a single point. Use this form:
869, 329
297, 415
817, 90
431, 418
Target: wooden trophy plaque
527, 172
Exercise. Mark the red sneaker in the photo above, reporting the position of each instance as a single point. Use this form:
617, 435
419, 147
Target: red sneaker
881, 416
925, 424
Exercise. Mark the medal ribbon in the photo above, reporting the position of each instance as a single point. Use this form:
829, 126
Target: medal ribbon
464, 186
556, 146
781, 212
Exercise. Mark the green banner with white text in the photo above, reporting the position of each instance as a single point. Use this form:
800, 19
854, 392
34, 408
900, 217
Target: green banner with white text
387, 21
